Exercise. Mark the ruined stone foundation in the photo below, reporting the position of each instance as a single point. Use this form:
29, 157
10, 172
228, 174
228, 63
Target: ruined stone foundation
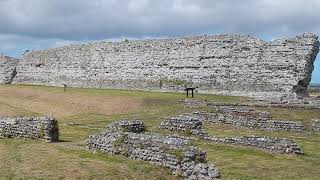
174, 153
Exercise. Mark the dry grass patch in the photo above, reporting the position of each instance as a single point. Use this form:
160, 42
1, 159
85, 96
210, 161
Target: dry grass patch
61, 104
8, 110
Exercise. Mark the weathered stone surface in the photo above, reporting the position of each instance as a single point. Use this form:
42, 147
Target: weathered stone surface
271, 144
242, 116
315, 125
30, 127
247, 117
127, 126
187, 124
175, 153
225, 64
244, 111
205, 103
7, 69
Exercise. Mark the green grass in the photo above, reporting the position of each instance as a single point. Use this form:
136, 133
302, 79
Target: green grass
27, 159
246, 163
293, 114
249, 163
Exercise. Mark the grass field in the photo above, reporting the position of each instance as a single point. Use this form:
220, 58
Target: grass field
82, 112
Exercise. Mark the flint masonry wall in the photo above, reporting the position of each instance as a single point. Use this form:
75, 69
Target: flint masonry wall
192, 125
187, 124
127, 126
30, 127
175, 153
315, 125
249, 121
7, 69
224, 64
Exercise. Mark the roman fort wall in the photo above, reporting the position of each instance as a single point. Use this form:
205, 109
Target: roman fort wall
222, 64
7, 69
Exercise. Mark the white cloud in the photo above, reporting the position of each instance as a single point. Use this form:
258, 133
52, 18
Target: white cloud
39, 24
96, 19
76, 20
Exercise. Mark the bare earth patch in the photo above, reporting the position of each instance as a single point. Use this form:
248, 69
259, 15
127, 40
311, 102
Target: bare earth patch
60, 104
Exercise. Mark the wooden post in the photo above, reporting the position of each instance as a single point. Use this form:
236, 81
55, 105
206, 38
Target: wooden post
64, 87
192, 92
187, 93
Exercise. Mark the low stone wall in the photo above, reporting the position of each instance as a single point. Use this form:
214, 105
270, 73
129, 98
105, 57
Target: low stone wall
249, 122
128, 126
244, 111
315, 125
175, 153
197, 103
30, 127
186, 124
277, 145
247, 117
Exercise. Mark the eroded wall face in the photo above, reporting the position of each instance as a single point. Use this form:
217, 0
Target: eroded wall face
227, 64
7, 69
30, 127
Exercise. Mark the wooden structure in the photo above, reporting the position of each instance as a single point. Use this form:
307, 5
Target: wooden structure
190, 89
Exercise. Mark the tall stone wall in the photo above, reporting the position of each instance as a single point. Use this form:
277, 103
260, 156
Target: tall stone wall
7, 69
223, 64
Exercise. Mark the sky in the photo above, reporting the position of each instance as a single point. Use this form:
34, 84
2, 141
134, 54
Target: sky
40, 24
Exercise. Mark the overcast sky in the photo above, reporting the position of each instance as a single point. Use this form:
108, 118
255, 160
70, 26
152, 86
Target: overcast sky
39, 24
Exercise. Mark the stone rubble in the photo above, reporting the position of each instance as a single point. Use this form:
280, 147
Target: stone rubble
174, 153
30, 127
